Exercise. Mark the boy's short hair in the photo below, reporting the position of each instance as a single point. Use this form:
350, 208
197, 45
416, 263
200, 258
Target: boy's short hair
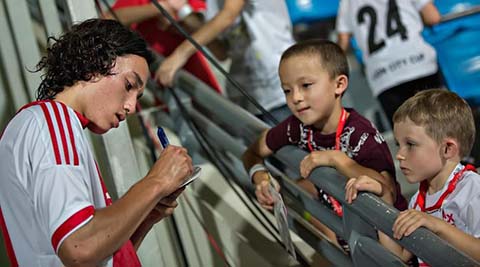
88, 49
443, 114
330, 55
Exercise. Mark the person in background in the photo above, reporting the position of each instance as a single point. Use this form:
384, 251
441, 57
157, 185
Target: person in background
254, 34
314, 76
398, 61
145, 18
55, 210
434, 130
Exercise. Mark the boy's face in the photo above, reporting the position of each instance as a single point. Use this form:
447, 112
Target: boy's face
419, 155
309, 90
109, 97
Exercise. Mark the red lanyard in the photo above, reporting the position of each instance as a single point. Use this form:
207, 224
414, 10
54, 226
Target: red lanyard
420, 202
341, 124
337, 207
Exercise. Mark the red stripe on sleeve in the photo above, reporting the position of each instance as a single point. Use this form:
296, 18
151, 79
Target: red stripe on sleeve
62, 131
70, 132
8, 242
52, 133
70, 224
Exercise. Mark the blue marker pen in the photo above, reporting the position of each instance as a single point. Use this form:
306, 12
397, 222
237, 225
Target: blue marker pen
162, 137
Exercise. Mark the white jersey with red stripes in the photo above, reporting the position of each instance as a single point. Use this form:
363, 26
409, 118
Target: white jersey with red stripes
49, 184
460, 208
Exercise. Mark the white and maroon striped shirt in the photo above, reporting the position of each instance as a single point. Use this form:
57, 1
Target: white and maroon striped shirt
49, 185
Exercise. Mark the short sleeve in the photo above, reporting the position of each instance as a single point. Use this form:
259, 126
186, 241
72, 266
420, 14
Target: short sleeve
376, 155
473, 216
343, 22
283, 134
470, 211
62, 201
419, 4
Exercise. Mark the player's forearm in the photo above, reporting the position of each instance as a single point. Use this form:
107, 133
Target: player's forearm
110, 227
139, 234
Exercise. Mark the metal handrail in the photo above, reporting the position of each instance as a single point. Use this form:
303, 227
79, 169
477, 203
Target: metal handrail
362, 217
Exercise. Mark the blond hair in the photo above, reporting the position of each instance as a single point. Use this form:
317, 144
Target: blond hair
443, 114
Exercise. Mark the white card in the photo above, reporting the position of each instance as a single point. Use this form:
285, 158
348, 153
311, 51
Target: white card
280, 212
195, 174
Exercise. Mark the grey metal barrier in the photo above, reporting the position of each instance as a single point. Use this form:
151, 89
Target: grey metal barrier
226, 123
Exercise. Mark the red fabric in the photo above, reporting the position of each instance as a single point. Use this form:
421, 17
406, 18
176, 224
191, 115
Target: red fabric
126, 256
165, 42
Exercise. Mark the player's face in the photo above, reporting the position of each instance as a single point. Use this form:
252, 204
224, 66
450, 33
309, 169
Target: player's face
309, 89
419, 155
111, 97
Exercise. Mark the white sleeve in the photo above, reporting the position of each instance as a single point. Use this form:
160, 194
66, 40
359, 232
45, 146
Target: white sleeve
472, 215
419, 4
62, 201
343, 22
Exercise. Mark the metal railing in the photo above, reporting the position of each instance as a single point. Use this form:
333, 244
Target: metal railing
360, 219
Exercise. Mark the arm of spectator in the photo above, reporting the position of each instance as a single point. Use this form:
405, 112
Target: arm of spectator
346, 167
430, 14
112, 226
207, 33
365, 183
344, 41
254, 156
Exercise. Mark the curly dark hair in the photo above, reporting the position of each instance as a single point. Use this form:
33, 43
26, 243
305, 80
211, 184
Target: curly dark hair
88, 49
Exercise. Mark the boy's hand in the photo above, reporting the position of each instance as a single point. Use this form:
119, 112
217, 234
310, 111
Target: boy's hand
409, 220
362, 183
315, 159
262, 189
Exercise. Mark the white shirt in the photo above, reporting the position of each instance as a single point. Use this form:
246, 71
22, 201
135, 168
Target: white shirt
256, 42
392, 54
461, 207
49, 185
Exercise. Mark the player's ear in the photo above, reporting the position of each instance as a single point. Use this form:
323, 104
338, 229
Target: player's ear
450, 148
341, 84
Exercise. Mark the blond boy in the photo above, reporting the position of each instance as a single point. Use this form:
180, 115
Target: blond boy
434, 130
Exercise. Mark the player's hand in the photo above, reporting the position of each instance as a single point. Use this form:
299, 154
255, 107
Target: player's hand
171, 169
409, 220
165, 74
164, 207
362, 183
